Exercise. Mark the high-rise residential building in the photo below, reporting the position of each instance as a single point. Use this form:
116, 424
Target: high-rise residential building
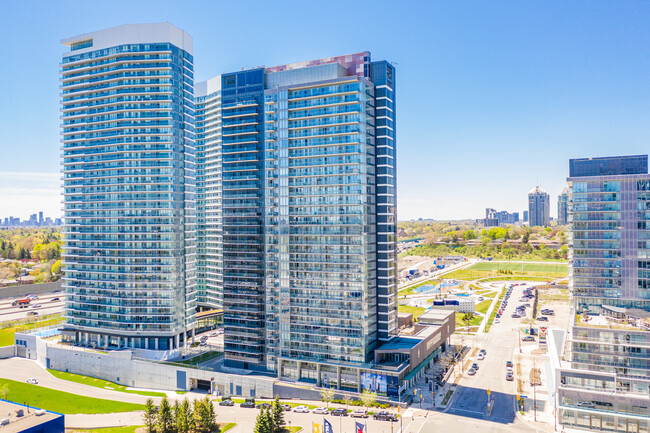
296, 181
129, 183
539, 207
525, 216
40, 218
563, 207
294, 228
603, 376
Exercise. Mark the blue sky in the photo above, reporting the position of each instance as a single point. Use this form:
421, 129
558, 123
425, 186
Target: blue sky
493, 96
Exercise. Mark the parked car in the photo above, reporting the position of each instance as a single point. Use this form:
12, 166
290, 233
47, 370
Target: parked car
286, 407
497, 321
385, 416
472, 371
509, 364
226, 402
586, 404
528, 338
321, 411
480, 357
339, 412
263, 406
301, 409
249, 404
510, 376
475, 366
542, 319
359, 413
31, 380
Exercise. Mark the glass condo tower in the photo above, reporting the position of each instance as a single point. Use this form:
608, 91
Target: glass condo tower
302, 249
127, 108
605, 383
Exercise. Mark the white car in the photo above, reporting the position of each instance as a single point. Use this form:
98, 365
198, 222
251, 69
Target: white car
301, 409
321, 411
481, 357
31, 380
497, 321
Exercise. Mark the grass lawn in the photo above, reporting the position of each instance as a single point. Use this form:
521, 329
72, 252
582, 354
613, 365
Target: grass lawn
293, 429
461, 324
553, 294
225, 427
62, 402
125, 429
493, 315
100, 383
491, 269
416, 311
206, 356
7, 334
483, 306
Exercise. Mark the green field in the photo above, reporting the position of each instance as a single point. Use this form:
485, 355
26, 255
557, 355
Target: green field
493, 315
100, 383
461, 324
10, 328
125, 429
62, 402
483, 306
509, 270
416, 311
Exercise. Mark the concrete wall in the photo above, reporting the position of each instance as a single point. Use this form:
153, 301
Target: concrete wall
26, 289
120, 367
7, 352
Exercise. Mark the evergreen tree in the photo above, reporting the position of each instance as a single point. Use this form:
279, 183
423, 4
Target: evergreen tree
277, 415
187, 416
149, 416
263, 422
165, 417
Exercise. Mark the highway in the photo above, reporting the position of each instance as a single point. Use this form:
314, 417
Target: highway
47, 306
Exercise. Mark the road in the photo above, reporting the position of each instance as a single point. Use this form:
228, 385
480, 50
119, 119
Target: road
471, 397
47, 306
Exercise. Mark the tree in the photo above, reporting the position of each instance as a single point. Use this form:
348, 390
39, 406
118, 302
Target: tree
149, 416
263, 422
327, 395
165, 419
204, 415
467, 318
368, 398
185, 418
277, 415
347, 398
56, 268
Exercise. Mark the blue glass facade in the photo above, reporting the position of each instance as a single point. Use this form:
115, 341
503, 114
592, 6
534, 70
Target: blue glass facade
609, 204
129, 185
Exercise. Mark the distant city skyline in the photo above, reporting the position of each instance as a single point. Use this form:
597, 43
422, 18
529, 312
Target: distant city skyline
494, 97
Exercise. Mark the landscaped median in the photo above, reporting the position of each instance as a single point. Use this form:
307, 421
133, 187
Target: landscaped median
100, 383
493, 315
61, 402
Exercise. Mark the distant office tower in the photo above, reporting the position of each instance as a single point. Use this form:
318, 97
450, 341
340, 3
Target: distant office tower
525, 216
515, 217
494, 218
128, 166
40, 218
539, 206
563, 207
301, 158
607, 383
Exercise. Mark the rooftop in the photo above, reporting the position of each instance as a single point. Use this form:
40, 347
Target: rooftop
31, 417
